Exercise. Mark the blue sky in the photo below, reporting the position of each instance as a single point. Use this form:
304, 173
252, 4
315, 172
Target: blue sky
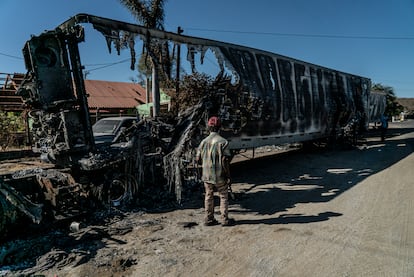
374, 39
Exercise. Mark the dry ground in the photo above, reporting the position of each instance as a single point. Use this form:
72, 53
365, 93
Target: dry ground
325, 212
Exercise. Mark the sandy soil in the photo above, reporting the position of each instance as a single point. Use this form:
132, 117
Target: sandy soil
324, 212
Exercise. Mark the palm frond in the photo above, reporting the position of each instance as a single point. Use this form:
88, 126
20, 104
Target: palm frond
138, 9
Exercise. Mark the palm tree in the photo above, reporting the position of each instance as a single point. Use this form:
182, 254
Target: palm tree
150, 13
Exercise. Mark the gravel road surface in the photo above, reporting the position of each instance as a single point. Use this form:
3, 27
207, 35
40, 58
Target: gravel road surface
323, 212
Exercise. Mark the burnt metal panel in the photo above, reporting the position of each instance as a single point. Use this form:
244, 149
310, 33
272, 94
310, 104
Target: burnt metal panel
54, 86
47, 58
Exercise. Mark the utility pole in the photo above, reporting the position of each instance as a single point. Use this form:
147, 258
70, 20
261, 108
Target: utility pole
177, 75
155, 90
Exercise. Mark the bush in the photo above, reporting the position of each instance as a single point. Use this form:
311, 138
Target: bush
11, 125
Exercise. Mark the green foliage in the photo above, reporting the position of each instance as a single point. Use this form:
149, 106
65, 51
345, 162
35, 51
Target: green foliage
150, 13
393, 107
10, 124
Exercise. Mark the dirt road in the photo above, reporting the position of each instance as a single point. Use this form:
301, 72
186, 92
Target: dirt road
326, 212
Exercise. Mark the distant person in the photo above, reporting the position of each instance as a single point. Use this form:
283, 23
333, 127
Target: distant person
402, 116
214, 154
384, 126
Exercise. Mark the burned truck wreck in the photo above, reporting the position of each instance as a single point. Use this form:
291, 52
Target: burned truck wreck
273, 100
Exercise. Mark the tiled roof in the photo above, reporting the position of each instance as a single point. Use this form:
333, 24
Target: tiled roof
105, 94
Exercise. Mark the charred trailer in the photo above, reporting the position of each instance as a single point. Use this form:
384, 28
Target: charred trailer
270, 100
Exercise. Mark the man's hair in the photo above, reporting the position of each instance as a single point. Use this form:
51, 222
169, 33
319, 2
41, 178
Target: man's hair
214, 124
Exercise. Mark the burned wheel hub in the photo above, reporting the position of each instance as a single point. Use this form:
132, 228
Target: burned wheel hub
118, 191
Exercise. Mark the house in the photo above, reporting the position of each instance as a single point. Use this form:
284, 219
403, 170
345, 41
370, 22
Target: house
107, 98
146, 109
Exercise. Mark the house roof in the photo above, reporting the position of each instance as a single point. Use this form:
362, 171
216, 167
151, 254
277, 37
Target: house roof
110, 95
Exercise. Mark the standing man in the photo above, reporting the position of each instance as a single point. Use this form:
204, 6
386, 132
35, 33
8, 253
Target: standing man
384, 126
215, 157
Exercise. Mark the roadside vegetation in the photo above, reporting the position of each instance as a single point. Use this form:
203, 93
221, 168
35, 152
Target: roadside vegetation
13, 129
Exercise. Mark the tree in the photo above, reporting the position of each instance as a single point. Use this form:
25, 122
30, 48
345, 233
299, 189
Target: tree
151, 14
392, 106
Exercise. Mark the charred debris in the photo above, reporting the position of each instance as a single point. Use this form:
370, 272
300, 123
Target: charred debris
262, 98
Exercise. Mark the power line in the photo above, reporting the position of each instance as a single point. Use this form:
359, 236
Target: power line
110, 64
97, 64
104, 65
11, 56
302, 35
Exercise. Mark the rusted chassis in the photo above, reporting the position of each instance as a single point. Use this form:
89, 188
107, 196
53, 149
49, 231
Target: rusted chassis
275, 100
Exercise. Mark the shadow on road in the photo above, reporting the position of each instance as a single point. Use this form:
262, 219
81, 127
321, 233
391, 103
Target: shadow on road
273, 184
292, 218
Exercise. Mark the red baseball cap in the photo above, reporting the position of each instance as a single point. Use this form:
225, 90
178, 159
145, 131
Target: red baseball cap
214, 121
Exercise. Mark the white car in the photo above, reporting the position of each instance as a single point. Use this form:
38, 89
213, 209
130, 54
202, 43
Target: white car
106, 129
